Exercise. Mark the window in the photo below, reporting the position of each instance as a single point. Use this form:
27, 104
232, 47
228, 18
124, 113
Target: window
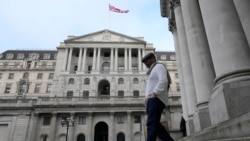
9, 56
135, 81
49, 88
106, 54
82, 119
11, 75
134, 68
120, 69
106, 66
86, 81
120, 81
37, 88
89, 69
120, 94
34, 56
46, 120
25, 75
178, 87
39, 76
20, 56
137, 119
22, 88
91, 54
1, 75
176, 75
172, 57
134, 54
120, 137
46, 56
51, 75
28, 64
71, 81
120, 54
163, 57
136, 94
120, 119
7, 88
85, 94
55, 56
70, 94
75, 68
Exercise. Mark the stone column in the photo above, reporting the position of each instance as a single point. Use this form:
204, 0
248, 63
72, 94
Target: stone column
242, 7
116, 59
69, 59
111, 59
139, 59
71, 129
111, 132
186, 64
126, 59
53, 126
84, 60
32, 127
130, 59
129, 125
184, 102
80, 61
66, 58
143, 54
94, 60
201, 61
231, 54
90, 136
98, 59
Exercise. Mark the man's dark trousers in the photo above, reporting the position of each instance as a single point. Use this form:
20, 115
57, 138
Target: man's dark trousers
154, 127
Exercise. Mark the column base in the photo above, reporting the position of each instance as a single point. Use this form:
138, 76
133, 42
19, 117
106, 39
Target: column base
229, 100
201, 119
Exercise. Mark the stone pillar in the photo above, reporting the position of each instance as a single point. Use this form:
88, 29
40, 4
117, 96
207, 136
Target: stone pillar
111, 132
139, 59
143, 54
69, 59
66, 58
98, 59
186, 64
89, 135
32, 127
201, 61
129, 125
80, 61
242, 7
116, 59
84, 59
53, 126
130, 59
184, 101
126, 59
231, 54
94, 60
71, 129
111, 59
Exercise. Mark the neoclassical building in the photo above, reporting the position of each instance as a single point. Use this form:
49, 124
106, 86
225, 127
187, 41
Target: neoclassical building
96, 80
212, 44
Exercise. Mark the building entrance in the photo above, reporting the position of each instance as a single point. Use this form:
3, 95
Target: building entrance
101, 132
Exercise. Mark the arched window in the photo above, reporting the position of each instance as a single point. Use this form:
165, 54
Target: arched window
120, 81
71, 81
120, 137
135, 81
86, 81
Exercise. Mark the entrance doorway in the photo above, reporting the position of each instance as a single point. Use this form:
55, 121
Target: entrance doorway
101, 132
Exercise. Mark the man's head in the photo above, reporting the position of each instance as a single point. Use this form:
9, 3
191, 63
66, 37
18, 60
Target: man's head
149, 59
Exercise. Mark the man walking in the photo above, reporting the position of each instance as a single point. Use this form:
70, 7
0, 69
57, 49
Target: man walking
156, 97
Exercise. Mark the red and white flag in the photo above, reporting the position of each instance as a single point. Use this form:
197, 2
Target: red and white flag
114, 9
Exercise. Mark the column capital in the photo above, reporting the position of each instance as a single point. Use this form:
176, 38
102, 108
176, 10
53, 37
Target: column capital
172, 26
174, 4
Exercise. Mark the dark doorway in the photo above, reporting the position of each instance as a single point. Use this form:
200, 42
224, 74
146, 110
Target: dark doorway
81, 137
104, 88
101, 132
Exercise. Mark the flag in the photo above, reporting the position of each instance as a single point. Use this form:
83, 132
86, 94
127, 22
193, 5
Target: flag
114, 9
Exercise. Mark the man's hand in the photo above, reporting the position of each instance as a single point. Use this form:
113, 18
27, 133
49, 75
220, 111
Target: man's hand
152, 95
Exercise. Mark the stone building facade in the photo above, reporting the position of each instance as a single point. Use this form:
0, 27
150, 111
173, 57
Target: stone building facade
212, 44
96, 80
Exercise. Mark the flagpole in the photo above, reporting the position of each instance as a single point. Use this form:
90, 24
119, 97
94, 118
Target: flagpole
108, 17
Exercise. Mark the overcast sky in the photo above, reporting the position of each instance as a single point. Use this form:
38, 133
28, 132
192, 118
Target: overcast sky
43, 24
